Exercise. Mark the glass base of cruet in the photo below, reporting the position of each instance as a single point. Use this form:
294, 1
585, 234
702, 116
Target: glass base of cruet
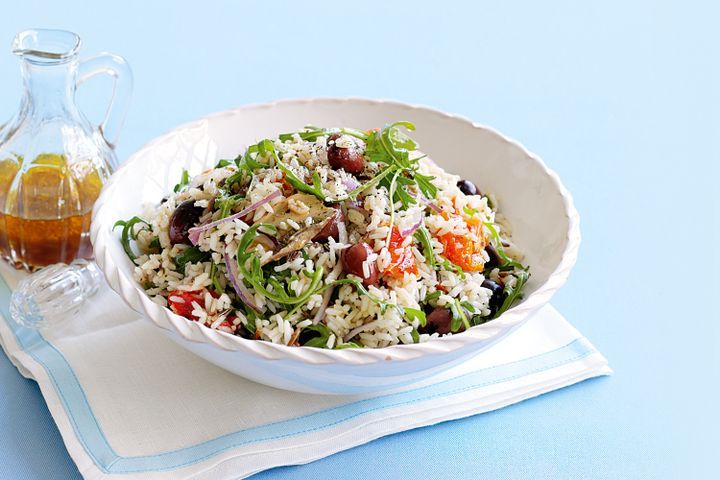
54, 293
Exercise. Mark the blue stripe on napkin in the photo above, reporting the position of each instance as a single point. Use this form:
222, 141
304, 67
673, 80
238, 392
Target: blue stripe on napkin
90, 435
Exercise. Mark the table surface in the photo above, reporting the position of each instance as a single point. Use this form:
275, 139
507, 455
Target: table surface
620, 98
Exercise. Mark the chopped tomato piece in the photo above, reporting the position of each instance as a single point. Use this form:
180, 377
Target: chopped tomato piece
463, 251
227, 325
401, 258
286, 187
181, 302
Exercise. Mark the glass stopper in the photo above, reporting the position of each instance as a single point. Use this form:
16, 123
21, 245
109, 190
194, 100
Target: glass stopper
54, 293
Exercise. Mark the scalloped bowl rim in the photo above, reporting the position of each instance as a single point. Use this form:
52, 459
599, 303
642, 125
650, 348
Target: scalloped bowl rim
132, 293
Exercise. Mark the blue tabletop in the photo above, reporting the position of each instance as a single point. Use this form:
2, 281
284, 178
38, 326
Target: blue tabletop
622, 99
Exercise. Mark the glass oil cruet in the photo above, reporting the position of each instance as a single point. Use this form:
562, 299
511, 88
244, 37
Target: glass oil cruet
53, 162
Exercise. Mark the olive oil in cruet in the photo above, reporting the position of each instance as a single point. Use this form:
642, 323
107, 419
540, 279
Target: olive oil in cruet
53, 161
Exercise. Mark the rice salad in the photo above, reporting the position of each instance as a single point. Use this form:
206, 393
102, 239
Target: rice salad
330, 238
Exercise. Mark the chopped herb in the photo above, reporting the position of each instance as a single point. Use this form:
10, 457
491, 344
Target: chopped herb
458, 316
513, 293
392, 147
270, 287
311, 133
184, 181
321, 337
215, 279
415, 335
401, 194
432, 298
340, 346
413, 313
129, 233
226, 204
223, 163
370, 183
451, 267
470, 212
425, 184
236, 177
479, 320
508, 263
251, 316
294, 180
468, 306
490, 203
190, 255
423, 237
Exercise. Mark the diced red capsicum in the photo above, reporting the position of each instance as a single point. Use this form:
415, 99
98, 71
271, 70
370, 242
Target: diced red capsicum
401, 258
181, 302
463, 251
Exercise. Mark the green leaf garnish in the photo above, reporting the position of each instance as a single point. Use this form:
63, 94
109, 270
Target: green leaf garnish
425, 184
513, 293
311, 133
374, 181
255, 275
190, 255
508, 263
415, 335
184, 181
320, 340
392, 147
423, 237
470, 212
432, 298
414, 313
129, 233
294, 180
451, 267
225, 204
215, 279
458, 316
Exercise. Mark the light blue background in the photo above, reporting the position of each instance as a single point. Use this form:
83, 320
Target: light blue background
620, 98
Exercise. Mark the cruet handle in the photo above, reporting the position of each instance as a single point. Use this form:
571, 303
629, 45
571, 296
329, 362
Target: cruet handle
119, 70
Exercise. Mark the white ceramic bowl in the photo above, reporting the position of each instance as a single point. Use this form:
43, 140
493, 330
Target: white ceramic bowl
540, 209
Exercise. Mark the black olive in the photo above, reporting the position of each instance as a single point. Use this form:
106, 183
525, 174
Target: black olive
350, 159
185, 216
352, 262
331, 229
468, 187
439, 321
497, 297
493, 257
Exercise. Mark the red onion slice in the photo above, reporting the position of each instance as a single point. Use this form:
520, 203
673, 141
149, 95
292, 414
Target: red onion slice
195, 232
342, 238
323, 306
430, 204
238, 285
357, 330
350, 184
409, 231
426, 202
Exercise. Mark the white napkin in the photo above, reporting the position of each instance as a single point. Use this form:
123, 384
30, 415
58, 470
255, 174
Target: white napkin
130, 403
